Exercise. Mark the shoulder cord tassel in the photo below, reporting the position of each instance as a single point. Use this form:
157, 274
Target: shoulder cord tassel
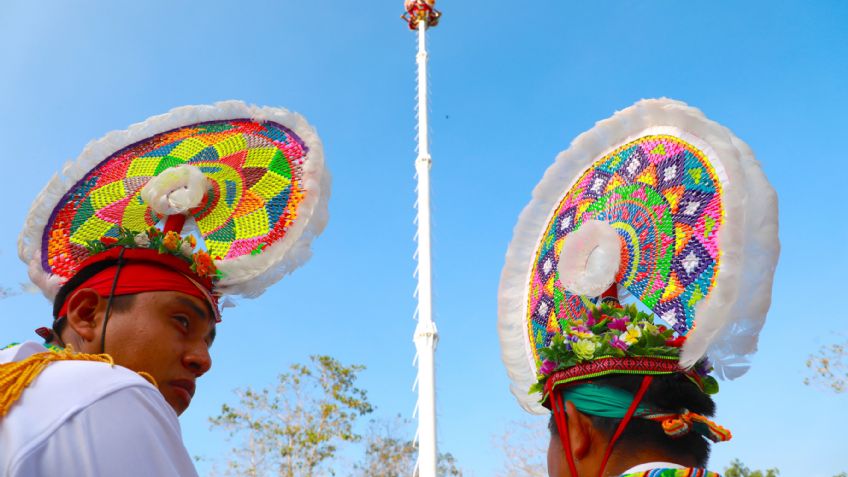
16, 376
678, 425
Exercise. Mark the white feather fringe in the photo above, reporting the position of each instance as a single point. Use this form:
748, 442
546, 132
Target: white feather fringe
247, 275
729, 319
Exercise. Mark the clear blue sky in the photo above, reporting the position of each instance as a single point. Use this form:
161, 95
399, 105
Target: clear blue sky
512, 84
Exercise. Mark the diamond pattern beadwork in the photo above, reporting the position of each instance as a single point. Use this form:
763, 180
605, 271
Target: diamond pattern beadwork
663, 198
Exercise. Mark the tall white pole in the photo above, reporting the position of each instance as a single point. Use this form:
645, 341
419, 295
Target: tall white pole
426, 335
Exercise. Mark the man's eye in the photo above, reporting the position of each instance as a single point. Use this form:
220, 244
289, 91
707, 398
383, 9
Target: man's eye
182, 320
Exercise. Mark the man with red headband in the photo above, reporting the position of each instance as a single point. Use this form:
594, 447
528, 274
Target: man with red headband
662, 206
135, 298
157, 325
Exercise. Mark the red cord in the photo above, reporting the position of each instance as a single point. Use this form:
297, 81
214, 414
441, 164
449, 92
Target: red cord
646, 382
562, 427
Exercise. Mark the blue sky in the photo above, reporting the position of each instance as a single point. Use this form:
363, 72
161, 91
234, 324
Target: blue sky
512, 84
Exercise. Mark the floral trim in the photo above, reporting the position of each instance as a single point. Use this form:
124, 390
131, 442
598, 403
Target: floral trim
170, 243
610, 331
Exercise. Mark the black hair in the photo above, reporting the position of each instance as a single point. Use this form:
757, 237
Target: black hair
120, 304
670, 393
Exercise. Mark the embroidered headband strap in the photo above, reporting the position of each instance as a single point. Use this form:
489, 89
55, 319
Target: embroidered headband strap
612, 402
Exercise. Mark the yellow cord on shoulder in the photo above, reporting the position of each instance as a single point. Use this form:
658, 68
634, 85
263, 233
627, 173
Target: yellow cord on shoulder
17, 375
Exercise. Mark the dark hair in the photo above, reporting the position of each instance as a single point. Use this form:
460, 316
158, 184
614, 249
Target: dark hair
672, 393
120, 303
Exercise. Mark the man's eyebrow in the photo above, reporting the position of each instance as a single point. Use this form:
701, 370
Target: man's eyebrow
198, 310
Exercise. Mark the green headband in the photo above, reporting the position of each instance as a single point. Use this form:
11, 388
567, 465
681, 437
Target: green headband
601, 401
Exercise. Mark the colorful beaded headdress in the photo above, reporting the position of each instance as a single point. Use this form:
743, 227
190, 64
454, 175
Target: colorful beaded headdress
658, 204
248, 183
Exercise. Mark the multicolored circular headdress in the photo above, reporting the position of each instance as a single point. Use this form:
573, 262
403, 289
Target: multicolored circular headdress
667, 207
248, 182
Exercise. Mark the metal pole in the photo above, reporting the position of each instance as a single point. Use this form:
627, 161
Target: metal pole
426, 336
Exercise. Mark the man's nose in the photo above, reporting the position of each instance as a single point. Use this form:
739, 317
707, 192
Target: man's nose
197, 359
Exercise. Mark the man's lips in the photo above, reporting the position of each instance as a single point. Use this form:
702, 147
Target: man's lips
185, 387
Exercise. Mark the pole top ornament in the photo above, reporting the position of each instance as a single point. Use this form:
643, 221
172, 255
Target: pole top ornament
421, 10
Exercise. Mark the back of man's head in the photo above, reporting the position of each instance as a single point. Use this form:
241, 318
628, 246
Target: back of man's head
668, 393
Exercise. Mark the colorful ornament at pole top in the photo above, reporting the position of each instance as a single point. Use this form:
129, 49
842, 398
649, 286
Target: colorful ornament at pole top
418, 10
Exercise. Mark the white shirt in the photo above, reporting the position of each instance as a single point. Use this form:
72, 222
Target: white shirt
82, 418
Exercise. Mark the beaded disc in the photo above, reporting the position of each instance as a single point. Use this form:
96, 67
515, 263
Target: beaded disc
696, 221
265, 177
254, 170
664, 199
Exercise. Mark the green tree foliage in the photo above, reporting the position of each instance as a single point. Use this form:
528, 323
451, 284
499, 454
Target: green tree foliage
738, 469
828, 367
294, 430
389, 454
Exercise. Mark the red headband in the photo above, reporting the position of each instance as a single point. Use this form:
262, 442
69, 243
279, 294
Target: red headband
140, 277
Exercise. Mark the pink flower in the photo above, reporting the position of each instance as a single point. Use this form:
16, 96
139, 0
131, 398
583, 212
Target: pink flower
619, 324
617, 342
547, 367
590, 318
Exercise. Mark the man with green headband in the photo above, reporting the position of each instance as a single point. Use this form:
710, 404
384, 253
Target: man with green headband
629, 409
626, 422
662, 207
595, 411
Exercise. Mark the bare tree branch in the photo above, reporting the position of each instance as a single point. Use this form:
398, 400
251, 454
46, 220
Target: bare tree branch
524, 445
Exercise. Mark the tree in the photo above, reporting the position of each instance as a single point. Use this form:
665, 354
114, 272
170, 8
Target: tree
829, 367
524, 445
389, 454
294, 430
738, 469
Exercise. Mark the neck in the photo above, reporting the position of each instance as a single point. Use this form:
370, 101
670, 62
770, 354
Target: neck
624, 458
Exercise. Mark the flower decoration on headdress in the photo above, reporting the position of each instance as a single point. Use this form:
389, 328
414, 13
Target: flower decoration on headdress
170, 243
615, 332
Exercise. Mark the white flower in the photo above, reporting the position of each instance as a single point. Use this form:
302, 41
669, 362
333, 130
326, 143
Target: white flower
175, 190
142, 240
186, 248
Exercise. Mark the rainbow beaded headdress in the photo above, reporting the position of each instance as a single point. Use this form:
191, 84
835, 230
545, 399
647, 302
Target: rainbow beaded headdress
248, 181
666, 206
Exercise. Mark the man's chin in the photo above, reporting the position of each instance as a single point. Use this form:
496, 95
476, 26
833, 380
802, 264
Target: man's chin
178, 403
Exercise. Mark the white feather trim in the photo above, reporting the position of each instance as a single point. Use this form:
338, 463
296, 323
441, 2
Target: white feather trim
175, 190
717, 328
589, 260
733, 340
247, 275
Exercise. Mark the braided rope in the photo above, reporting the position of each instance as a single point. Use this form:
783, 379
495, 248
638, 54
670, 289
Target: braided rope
16, 376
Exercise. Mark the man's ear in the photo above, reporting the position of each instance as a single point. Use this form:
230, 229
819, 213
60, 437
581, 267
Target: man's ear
580, 431
83, 317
